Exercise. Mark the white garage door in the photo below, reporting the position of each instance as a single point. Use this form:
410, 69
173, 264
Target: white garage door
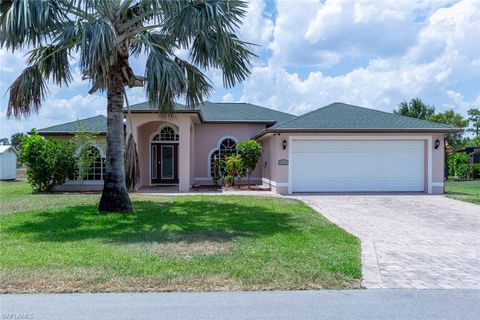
344, 166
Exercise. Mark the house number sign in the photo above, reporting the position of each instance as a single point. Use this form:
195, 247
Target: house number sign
283, 162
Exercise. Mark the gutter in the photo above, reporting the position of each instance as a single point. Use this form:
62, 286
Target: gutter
357, 130
202, 119
198, 112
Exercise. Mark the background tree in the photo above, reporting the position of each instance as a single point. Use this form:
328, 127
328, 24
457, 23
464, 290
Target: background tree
471, 142
105, 34
416, 108
474, 118
451, 118
4, 141
16, 140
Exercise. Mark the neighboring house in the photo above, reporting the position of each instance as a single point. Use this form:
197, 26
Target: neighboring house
8, 163
337, 148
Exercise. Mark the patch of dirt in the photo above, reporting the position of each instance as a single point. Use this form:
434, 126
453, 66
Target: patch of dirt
183, 249
245, 187
241, 187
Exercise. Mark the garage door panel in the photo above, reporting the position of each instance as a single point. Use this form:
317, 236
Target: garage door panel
342, 166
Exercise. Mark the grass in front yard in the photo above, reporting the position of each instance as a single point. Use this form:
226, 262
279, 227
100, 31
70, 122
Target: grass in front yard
467, 190
170, 243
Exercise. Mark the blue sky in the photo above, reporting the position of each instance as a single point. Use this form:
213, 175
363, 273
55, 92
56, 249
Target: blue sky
312, 53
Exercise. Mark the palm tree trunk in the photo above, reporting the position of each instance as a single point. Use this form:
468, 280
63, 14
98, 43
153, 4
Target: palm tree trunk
115, 196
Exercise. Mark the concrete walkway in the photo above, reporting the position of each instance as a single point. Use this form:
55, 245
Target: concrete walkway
346, 304
409, 241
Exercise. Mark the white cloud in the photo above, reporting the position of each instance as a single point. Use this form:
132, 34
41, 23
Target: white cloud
445, 53
424, 48
11, 62
310, 33
228, 98
257, 27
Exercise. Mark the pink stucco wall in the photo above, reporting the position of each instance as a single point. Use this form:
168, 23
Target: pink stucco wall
197, 141
278, 175
207, 138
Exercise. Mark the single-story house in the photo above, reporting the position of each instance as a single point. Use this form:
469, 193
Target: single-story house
336, 148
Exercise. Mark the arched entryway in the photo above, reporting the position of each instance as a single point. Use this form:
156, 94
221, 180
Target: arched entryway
164, 155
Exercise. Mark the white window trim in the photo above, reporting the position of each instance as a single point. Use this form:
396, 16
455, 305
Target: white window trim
163, 125
95, 145
102, 155
219, 142
291, 139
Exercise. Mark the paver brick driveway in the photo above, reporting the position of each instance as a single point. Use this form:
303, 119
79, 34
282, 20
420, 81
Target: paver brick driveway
409, 241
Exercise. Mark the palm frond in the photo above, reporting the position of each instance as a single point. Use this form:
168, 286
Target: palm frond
80, 9
144, 41
207, 29
26, 23
53, 63
97, 48
224, 51
165, 81
140, 13
198, 85
185, 19
26, 93
132, 172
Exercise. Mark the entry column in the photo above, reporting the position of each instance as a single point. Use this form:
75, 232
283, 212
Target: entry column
184, 154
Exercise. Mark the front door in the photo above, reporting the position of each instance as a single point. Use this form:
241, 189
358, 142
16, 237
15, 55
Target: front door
164, 163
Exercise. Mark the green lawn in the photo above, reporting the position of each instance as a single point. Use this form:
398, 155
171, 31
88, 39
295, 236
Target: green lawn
59, 243
468, 190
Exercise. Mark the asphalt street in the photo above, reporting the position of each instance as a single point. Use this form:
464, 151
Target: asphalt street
347, 304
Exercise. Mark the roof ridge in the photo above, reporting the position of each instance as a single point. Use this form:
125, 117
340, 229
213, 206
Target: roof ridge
305, 114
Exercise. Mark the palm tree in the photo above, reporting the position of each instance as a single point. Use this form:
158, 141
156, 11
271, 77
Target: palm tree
105, 34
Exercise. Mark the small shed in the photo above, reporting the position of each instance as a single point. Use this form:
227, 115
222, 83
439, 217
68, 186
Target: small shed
8, 163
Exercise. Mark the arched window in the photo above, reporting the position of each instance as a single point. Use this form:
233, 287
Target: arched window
227, 147
97, 169
166, 134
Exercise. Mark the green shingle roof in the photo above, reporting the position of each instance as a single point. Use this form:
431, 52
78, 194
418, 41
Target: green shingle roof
97, 124
344, 116
227, 112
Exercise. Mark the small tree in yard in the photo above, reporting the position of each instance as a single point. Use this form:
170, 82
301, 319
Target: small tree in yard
233, 168
250, 151
49, 162
84, 156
